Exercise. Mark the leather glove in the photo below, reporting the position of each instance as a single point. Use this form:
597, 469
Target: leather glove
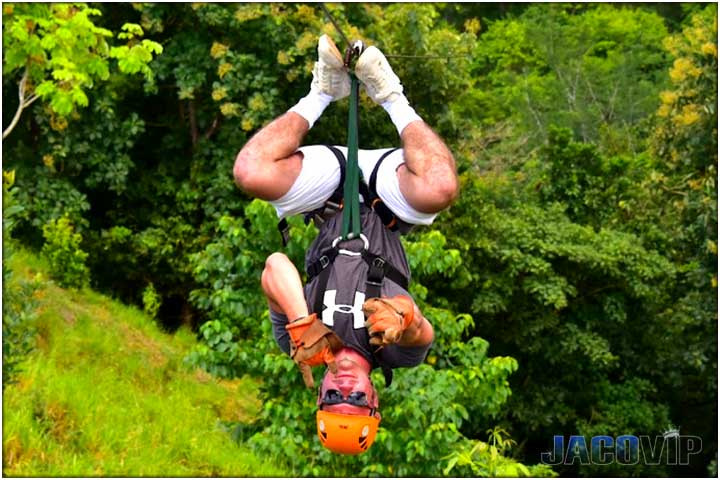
388, 318
312, 344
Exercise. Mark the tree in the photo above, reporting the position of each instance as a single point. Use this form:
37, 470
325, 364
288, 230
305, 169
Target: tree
595, 69
61, 53
18, 308
682, 193
577, 269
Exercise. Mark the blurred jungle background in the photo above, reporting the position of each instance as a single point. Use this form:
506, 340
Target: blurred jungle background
572, 286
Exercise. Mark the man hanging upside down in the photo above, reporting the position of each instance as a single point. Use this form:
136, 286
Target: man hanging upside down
355, 313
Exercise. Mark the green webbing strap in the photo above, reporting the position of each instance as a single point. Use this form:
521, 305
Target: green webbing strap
351, 209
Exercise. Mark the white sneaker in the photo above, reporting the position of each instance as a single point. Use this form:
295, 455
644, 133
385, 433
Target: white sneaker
374, 71
329, 74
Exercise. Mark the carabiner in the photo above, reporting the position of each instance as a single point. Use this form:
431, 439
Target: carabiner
354, 50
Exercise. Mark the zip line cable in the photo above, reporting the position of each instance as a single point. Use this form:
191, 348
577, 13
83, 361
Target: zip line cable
428, 56
337, 27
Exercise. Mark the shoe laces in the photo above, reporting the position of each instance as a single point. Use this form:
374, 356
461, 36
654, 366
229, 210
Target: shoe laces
383, 78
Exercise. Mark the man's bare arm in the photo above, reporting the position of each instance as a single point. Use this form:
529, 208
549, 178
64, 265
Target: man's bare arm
419, 333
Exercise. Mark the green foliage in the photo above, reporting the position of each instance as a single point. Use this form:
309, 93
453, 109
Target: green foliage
238, 333
47, 198
592, 187
566, 296
64, 52
712, 468
98, 149
682, 190
78, 164
581, 255
595, 69
428, 255
18, 304
63, 252
624, 407
484, 459
151, 301
106, 394
685, 140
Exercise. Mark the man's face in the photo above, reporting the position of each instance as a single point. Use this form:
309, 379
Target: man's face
350, 377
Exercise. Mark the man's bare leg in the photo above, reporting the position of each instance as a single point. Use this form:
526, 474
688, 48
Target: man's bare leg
428, 180
268, 165
283, 288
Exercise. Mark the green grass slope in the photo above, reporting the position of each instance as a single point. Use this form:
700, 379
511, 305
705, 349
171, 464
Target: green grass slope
106, 394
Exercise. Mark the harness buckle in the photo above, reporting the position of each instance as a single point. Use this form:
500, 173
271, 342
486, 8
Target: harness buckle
376, 274
324, 262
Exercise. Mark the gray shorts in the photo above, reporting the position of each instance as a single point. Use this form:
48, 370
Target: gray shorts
282, 337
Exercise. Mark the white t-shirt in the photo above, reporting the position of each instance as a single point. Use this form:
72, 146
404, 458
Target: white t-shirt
320, 177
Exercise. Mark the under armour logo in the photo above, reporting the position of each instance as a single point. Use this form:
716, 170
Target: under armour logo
330, 308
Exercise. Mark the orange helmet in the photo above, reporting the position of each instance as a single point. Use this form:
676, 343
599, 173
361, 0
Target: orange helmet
347, 434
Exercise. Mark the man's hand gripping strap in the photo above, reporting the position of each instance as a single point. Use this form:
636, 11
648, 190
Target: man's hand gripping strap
388, 318
312, 344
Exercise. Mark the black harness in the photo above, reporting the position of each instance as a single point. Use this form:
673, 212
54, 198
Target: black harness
335, 203
378, 267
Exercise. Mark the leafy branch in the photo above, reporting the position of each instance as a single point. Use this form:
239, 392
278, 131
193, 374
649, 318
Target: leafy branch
24, 102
